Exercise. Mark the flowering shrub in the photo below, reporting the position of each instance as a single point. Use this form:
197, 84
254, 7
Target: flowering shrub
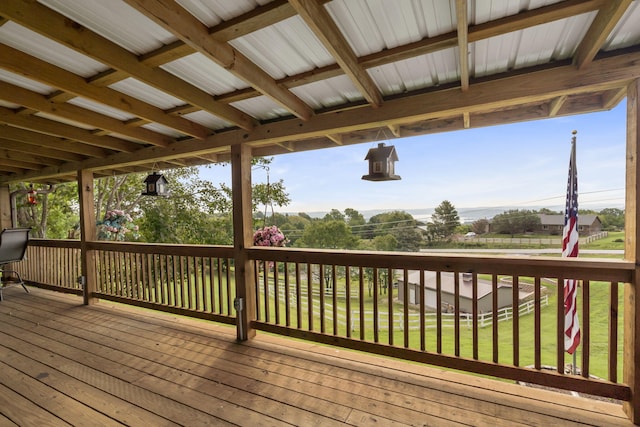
269, 236
115, 225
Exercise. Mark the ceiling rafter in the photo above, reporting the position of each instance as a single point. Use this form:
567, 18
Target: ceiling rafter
318, 20
37, 102
51, 127
48, 141
463, 43
173, 18
437, 43
20, 63
596, 36
534, 88
57, 27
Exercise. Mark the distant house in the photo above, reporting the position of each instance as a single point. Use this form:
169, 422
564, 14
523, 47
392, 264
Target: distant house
553, 224
448, 292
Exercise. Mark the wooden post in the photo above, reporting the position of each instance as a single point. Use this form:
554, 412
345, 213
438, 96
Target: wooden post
5, 207
631, 362
87, 234
245, 302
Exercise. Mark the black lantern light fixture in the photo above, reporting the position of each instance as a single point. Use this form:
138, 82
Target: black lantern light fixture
156, 185
381, 163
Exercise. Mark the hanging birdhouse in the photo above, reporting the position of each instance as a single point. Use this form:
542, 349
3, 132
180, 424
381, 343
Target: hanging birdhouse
31, 196
156, 185
381, 163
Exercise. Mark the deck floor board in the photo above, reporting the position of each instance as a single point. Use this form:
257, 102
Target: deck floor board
63, 363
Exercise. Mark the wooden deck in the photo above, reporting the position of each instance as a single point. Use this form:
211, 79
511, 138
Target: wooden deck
64, 363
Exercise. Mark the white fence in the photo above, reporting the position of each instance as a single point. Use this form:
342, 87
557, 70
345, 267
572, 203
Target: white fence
536, 240
448, 319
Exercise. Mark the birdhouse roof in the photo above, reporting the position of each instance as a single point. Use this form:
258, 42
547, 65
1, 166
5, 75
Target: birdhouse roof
382, 152
155, 177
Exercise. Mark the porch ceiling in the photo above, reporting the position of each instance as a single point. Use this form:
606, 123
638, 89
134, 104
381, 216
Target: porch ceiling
131, 85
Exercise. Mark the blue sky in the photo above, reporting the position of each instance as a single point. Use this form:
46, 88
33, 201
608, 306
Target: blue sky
521, 165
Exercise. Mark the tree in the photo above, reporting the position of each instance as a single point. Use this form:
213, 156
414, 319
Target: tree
354, 218
516, 221
480, 226
612, 219
330, 234
385, 243
444, 220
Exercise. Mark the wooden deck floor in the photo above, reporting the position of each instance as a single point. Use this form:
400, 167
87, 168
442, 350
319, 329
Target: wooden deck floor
64, 363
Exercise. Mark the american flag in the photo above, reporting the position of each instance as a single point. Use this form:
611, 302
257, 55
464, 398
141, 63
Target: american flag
570, 249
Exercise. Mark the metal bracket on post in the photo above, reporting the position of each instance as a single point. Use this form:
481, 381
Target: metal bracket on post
82, 281
238, 304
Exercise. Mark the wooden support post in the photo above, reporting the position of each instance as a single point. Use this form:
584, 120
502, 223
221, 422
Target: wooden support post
243, 238
5, 207
87, 234
631, 362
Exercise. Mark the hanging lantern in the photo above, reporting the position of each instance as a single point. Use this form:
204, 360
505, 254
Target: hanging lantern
381, 163
31, 196
156, 185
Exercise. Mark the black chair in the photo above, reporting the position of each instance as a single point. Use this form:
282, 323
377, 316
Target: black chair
13, 245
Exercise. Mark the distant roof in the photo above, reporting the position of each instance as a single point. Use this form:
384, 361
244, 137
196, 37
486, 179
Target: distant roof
546, 219
448, 284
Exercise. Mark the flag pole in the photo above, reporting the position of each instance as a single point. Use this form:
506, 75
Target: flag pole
573, 159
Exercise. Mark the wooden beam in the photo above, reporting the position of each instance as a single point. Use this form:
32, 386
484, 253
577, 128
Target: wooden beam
466, 119
87, 235
631, 349
243, 239
57, 27
173, 18
396, 130
326, 30
337, 138
46, 142
52, 153
606, 20
556, 104
35, 101
500, 95
52, 127
613, 97
20, 63
463, 42
37, 158
542, 15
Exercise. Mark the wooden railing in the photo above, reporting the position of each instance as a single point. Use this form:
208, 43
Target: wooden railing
348, 299
362, 301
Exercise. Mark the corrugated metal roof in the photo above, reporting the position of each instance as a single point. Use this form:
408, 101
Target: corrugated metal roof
393, 51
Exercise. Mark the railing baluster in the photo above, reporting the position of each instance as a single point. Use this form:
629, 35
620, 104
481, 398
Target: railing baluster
423, 338
456, 321
515, 302
276, 292
405, 305
537, 322
439, 312
388, 288
585, 333
494, 317
347, 287
322, 302
361, 302
287, 298
560, 326
298, 297
334, 299
613, 332
474, 311
309, 297
376, 312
